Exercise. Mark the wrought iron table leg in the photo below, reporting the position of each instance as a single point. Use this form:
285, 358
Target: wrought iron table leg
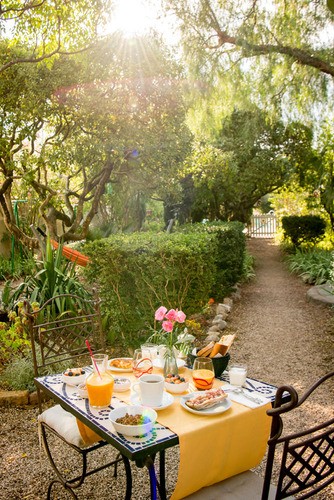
127, 466
153, 479
162, 476
155, 485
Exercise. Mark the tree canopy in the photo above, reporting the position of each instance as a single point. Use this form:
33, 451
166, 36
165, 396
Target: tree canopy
94, 123
276, 54
112, 114
37, 30
252, 156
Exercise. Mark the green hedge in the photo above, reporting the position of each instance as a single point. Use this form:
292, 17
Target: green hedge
137, 273
303, 228
230, 243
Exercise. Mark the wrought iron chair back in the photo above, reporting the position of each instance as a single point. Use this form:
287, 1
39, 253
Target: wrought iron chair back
306, 464
58, 330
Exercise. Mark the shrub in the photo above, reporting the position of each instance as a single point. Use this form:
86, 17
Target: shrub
19, 267
303, 228
248, 267
18, 374
137, 273
13, 339
230, 242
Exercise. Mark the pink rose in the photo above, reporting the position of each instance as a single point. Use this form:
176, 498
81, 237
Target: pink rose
171, 315
167, 326
160, 313
180, 317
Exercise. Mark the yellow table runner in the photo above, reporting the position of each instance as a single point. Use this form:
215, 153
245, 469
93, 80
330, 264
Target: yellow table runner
213, 448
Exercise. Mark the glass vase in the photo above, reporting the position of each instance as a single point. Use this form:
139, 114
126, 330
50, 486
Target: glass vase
170, 363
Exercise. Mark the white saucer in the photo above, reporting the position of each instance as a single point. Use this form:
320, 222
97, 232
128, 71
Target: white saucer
167, 400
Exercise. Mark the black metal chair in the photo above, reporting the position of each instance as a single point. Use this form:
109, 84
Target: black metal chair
58, 330
303, 461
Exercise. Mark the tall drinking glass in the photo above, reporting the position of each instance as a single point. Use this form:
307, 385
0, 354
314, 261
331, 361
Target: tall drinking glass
141, 364
203, 373
237, 374
100, 383
150, 350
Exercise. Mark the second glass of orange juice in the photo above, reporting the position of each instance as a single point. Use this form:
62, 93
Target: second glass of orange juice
203, 373
100, 383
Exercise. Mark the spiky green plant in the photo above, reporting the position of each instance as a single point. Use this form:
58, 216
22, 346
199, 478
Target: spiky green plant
54, 275
313, 266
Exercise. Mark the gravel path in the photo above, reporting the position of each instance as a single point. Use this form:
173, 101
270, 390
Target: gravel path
284, 338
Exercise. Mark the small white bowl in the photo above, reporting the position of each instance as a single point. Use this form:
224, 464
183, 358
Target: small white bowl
74, 379
133, 430
82, 390
177, 388
121, 384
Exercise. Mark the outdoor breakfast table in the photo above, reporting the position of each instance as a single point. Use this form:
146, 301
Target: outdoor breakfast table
213, 447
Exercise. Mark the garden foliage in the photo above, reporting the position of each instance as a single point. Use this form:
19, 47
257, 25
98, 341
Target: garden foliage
313, 266
303, 228
14, 340
137, 273
54, 275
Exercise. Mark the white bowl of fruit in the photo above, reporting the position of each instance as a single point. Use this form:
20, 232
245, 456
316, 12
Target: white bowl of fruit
74, 376
176, 384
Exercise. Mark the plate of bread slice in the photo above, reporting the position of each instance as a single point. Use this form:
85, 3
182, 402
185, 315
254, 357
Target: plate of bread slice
211, 402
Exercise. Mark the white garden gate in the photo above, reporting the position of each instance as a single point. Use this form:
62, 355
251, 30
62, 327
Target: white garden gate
262, 226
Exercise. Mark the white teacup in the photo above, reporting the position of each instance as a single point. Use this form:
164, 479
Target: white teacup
151, 389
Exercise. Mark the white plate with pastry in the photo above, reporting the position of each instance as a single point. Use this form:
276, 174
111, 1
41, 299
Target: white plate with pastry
120, 365
220, 406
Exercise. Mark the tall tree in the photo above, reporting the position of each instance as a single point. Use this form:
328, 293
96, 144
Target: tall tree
37, 30
70, 128
252, 157
318, 178
279, 53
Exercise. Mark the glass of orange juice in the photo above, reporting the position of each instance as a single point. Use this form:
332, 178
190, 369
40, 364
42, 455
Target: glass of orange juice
100, 383
203, 373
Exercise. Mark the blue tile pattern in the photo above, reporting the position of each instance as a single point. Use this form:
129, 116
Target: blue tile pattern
100, 417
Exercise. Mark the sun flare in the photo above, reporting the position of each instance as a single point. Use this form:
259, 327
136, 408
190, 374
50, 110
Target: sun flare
132, 17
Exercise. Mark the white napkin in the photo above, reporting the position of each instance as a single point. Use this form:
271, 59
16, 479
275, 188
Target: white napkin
243, 399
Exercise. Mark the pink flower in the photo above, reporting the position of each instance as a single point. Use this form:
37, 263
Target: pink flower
167, 326
160, 313
171, 315
180, 317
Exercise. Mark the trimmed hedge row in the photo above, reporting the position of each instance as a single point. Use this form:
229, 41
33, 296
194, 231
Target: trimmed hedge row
303, 228
139, 272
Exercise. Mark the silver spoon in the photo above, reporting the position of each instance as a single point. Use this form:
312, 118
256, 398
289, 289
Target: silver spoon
239, 390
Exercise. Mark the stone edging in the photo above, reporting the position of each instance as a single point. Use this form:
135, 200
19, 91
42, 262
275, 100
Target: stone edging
321, 293
18, 398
